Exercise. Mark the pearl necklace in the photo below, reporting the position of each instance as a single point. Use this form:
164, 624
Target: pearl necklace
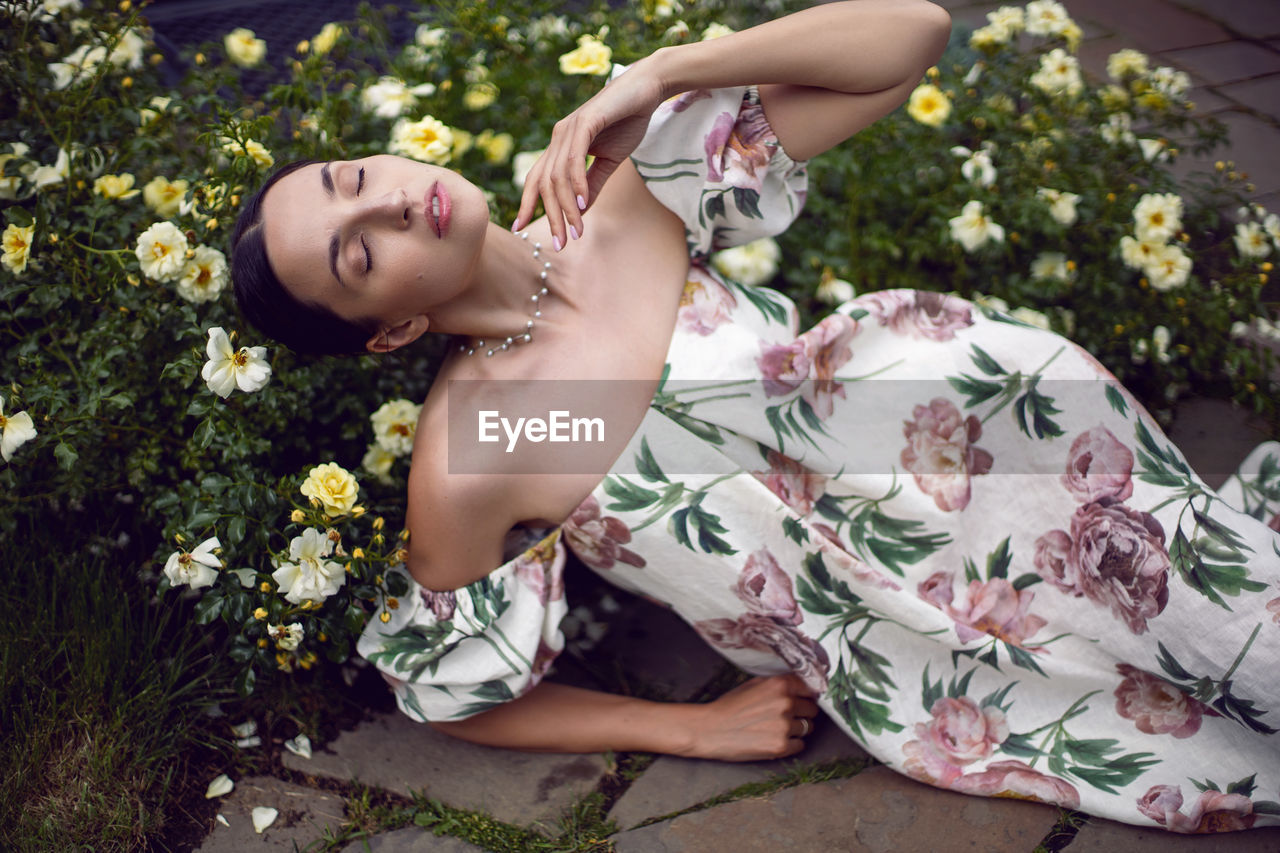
526, 336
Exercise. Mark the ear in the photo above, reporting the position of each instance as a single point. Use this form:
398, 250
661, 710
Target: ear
404, 332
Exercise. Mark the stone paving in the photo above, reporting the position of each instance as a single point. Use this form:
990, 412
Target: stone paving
1231, 49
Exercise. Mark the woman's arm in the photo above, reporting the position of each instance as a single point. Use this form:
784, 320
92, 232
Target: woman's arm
756, 720
824, 73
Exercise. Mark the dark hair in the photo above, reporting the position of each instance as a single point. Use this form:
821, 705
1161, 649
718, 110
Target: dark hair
304, 327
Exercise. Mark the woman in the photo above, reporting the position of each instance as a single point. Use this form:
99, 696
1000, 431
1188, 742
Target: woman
827, 509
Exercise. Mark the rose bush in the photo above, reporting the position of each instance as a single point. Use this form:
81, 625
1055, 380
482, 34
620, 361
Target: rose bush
137, 401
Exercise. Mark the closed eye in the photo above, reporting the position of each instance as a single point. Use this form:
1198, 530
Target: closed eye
368, 258
360, 181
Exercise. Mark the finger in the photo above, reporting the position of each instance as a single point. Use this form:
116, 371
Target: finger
799, 687
805, 708
801, 727
528, 197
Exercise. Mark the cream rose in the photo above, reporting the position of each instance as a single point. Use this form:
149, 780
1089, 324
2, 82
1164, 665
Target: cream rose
333, 486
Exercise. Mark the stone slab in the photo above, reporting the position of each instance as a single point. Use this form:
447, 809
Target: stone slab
411, 840
673, 784
649, 645
1215, 436
1230, 62
1108, 836
392, 752
1253, 18
1261, 94
1152, 25
304, 814
877, 811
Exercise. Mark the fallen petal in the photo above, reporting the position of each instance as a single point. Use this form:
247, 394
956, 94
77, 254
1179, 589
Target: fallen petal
222, 820
219, 787
299, 746
245, 729
263, 817
249, 742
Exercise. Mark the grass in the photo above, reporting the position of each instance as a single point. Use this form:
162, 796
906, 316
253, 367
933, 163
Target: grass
101, 692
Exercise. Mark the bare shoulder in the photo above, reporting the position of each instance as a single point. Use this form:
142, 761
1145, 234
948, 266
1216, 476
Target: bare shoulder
456, 521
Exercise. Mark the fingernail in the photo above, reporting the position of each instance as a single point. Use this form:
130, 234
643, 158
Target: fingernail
582, 203
555, 242
573, 232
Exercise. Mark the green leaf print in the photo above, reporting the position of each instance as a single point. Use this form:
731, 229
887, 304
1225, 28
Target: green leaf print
413, 650
1033, 410
487, 695
1116, 400
794, 530
1099, 762
876, 536
712, 207
766, 300
747, 201
627, 496
859, 687
647, 465
1226, 571
1217, 692
704, 525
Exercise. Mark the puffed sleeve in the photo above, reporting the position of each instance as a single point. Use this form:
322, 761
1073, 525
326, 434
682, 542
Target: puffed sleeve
448, 655
711, 157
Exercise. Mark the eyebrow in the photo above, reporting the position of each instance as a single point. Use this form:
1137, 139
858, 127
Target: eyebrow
326, 180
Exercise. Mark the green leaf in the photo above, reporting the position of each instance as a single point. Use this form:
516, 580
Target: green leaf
66, 457
235, 530
208, 608
245, 681
19, 216
977, 390
628, 497
203, 436
1025, 580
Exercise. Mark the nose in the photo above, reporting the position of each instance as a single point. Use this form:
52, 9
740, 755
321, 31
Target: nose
390, 209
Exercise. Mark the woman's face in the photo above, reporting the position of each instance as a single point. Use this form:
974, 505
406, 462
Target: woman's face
383, 238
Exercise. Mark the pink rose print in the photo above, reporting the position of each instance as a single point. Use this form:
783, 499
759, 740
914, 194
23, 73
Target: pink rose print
1018, 781
597, 539
442, 604
1116, 558
1274, 523
801, 654
797, 486
766, 589
542, 661
959, 734
990, 607
784, 367
1098, 466
540, 571
705, 303
1274, 607
1213, 811
828, 347
1156, 706
748, 151
940, 452
714, 144
684, 100
935, 316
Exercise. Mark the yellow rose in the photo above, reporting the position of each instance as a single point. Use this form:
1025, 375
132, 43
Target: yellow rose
17, 247
427, 139
333, 486
479, 96
591, 56
929, 105
164, 196
496, 147
255, 151
244, 48
115, 186
326, 39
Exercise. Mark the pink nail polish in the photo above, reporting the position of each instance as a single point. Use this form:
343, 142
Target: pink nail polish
555, 242
573, 232
582, 203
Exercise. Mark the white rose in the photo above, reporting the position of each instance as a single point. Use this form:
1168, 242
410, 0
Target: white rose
750, 264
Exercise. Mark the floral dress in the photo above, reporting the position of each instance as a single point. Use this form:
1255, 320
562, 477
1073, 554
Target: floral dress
995, 569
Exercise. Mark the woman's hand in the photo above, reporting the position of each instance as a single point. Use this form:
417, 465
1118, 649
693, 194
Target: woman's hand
609, 126
766, 717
